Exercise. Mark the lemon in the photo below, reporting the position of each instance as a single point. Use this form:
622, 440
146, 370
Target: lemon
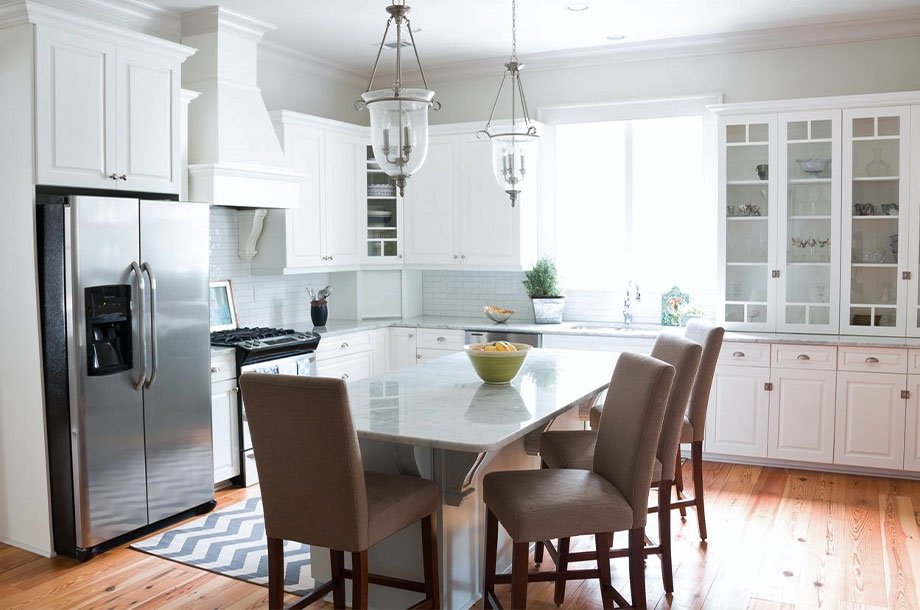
490, 348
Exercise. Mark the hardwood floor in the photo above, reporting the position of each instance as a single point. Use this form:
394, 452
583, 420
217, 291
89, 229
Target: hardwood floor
779, 540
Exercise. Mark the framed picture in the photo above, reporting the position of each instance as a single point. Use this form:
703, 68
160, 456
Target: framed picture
223, 311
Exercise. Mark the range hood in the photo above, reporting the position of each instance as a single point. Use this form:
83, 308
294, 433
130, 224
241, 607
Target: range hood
234, 156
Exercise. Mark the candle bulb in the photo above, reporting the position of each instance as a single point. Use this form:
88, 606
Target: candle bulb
407, 141
386, 140
522, 164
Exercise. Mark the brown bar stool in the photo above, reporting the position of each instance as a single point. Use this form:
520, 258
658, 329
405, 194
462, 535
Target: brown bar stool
315, 490
575, 449
694, 425
534, 505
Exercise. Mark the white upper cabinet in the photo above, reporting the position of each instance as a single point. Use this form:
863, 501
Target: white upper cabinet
324, 231
456, 213
107, 115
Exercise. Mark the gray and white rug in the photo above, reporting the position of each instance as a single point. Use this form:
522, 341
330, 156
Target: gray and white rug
231, 542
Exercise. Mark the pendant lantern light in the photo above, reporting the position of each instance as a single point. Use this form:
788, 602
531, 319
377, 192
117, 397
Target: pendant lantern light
399, 116
514, 144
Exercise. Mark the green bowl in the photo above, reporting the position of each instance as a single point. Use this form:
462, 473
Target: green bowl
497, 367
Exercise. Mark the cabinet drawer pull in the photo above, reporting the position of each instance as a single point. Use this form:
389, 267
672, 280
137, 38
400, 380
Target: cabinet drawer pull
344, 344
803, 357
738, 355
344, 376
871, 360
250, 456
215, 369
442, 339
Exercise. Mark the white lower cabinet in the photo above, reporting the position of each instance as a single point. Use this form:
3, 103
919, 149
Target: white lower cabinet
380, 344
912, 424
802, 415
402, 347
225, 429
870, 420
737, 416
347, 368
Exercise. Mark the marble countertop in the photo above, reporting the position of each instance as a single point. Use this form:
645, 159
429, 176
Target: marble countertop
599, 329
442, 404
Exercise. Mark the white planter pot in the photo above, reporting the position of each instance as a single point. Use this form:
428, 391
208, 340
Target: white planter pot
548, 310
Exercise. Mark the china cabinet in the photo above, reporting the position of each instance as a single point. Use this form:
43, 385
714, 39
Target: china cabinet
383, 218
816, 215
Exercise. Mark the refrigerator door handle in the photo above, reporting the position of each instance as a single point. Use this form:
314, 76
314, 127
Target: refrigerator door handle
141, 330
153, 324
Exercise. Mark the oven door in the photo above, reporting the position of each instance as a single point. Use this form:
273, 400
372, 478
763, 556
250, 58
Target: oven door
302, 365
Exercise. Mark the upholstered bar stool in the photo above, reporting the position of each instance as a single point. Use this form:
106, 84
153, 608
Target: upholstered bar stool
315, 490
575, 449
694, 425
534, 505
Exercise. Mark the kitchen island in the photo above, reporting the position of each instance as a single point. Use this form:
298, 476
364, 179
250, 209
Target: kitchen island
437, 420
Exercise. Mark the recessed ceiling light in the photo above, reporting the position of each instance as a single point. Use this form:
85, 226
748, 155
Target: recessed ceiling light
577, 6
616, 37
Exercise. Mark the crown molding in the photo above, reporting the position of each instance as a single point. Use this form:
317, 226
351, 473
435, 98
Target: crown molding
133, 15
890, 24
312, 64
861, 100
220, 19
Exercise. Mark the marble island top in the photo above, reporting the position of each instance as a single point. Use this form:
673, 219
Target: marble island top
443, 404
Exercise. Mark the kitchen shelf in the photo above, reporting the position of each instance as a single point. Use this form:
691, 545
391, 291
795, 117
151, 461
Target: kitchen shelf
810, 180
806, 264
875, 217
746, 264
747, 218
808, 217
748, 183
371, 197
876, 178
875, 265
745, 144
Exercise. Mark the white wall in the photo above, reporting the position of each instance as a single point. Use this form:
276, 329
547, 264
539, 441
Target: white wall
24, 504
865, 67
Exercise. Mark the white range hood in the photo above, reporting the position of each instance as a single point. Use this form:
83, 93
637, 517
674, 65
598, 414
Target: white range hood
234, 156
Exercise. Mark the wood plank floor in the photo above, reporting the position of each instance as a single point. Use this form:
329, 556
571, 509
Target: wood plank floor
779, 540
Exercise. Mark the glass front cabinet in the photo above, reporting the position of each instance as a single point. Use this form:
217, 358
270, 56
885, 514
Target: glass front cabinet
817, 230
384, 210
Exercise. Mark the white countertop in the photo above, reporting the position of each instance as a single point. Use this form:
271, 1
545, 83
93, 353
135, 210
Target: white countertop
600, 329
443, 404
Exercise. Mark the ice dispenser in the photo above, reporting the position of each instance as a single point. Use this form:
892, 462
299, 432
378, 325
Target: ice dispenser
108, 329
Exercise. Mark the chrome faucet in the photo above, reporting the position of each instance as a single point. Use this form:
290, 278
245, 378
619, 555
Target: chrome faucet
627, 303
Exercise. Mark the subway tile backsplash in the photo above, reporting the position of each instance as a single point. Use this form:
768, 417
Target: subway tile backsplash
261, 300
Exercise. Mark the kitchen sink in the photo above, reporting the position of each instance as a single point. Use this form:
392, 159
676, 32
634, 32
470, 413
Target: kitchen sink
600, 326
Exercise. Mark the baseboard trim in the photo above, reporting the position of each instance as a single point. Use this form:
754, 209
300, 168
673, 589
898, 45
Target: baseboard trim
835, 468
27, 547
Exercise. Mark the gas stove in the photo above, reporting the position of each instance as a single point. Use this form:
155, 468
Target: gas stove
255, 344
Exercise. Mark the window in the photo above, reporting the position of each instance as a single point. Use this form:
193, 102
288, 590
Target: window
632, 204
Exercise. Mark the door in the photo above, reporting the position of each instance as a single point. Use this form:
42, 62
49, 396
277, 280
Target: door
225, 429
344, 160
74, 95
912, 425
107, 412
870, 420
303, 234
737, 416
802, 415
490, 227
876, 168
402, 348
177, 401
147, 122
809, 222
432, 206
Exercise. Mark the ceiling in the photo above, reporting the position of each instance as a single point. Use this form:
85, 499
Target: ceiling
347, 32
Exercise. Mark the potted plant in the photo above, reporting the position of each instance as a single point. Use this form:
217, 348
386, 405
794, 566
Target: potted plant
542, 287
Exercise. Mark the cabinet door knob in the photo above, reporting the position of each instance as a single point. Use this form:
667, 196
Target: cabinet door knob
400, 255
418, 356
456, 256
215, 369
411, 335
463, 257
905, 275
344, 344
113, 176
123, 177
871, 360
331, 258
344, 376
738, 355
803, 357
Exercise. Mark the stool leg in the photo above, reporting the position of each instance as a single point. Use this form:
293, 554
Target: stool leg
664, 534
538, 545
337, 563
679, 482
563, 566
488, 582
602, 544
637, 567
519, 560
359, 580
275, 573
430, 559
696, 456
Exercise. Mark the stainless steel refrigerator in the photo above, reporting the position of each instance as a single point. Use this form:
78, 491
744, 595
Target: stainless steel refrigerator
124, 298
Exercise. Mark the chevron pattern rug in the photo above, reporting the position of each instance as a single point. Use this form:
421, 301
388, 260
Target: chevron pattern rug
231, 542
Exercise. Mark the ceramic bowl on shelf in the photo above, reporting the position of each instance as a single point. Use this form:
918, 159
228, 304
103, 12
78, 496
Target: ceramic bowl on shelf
813, 165
496, 367
499, 315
